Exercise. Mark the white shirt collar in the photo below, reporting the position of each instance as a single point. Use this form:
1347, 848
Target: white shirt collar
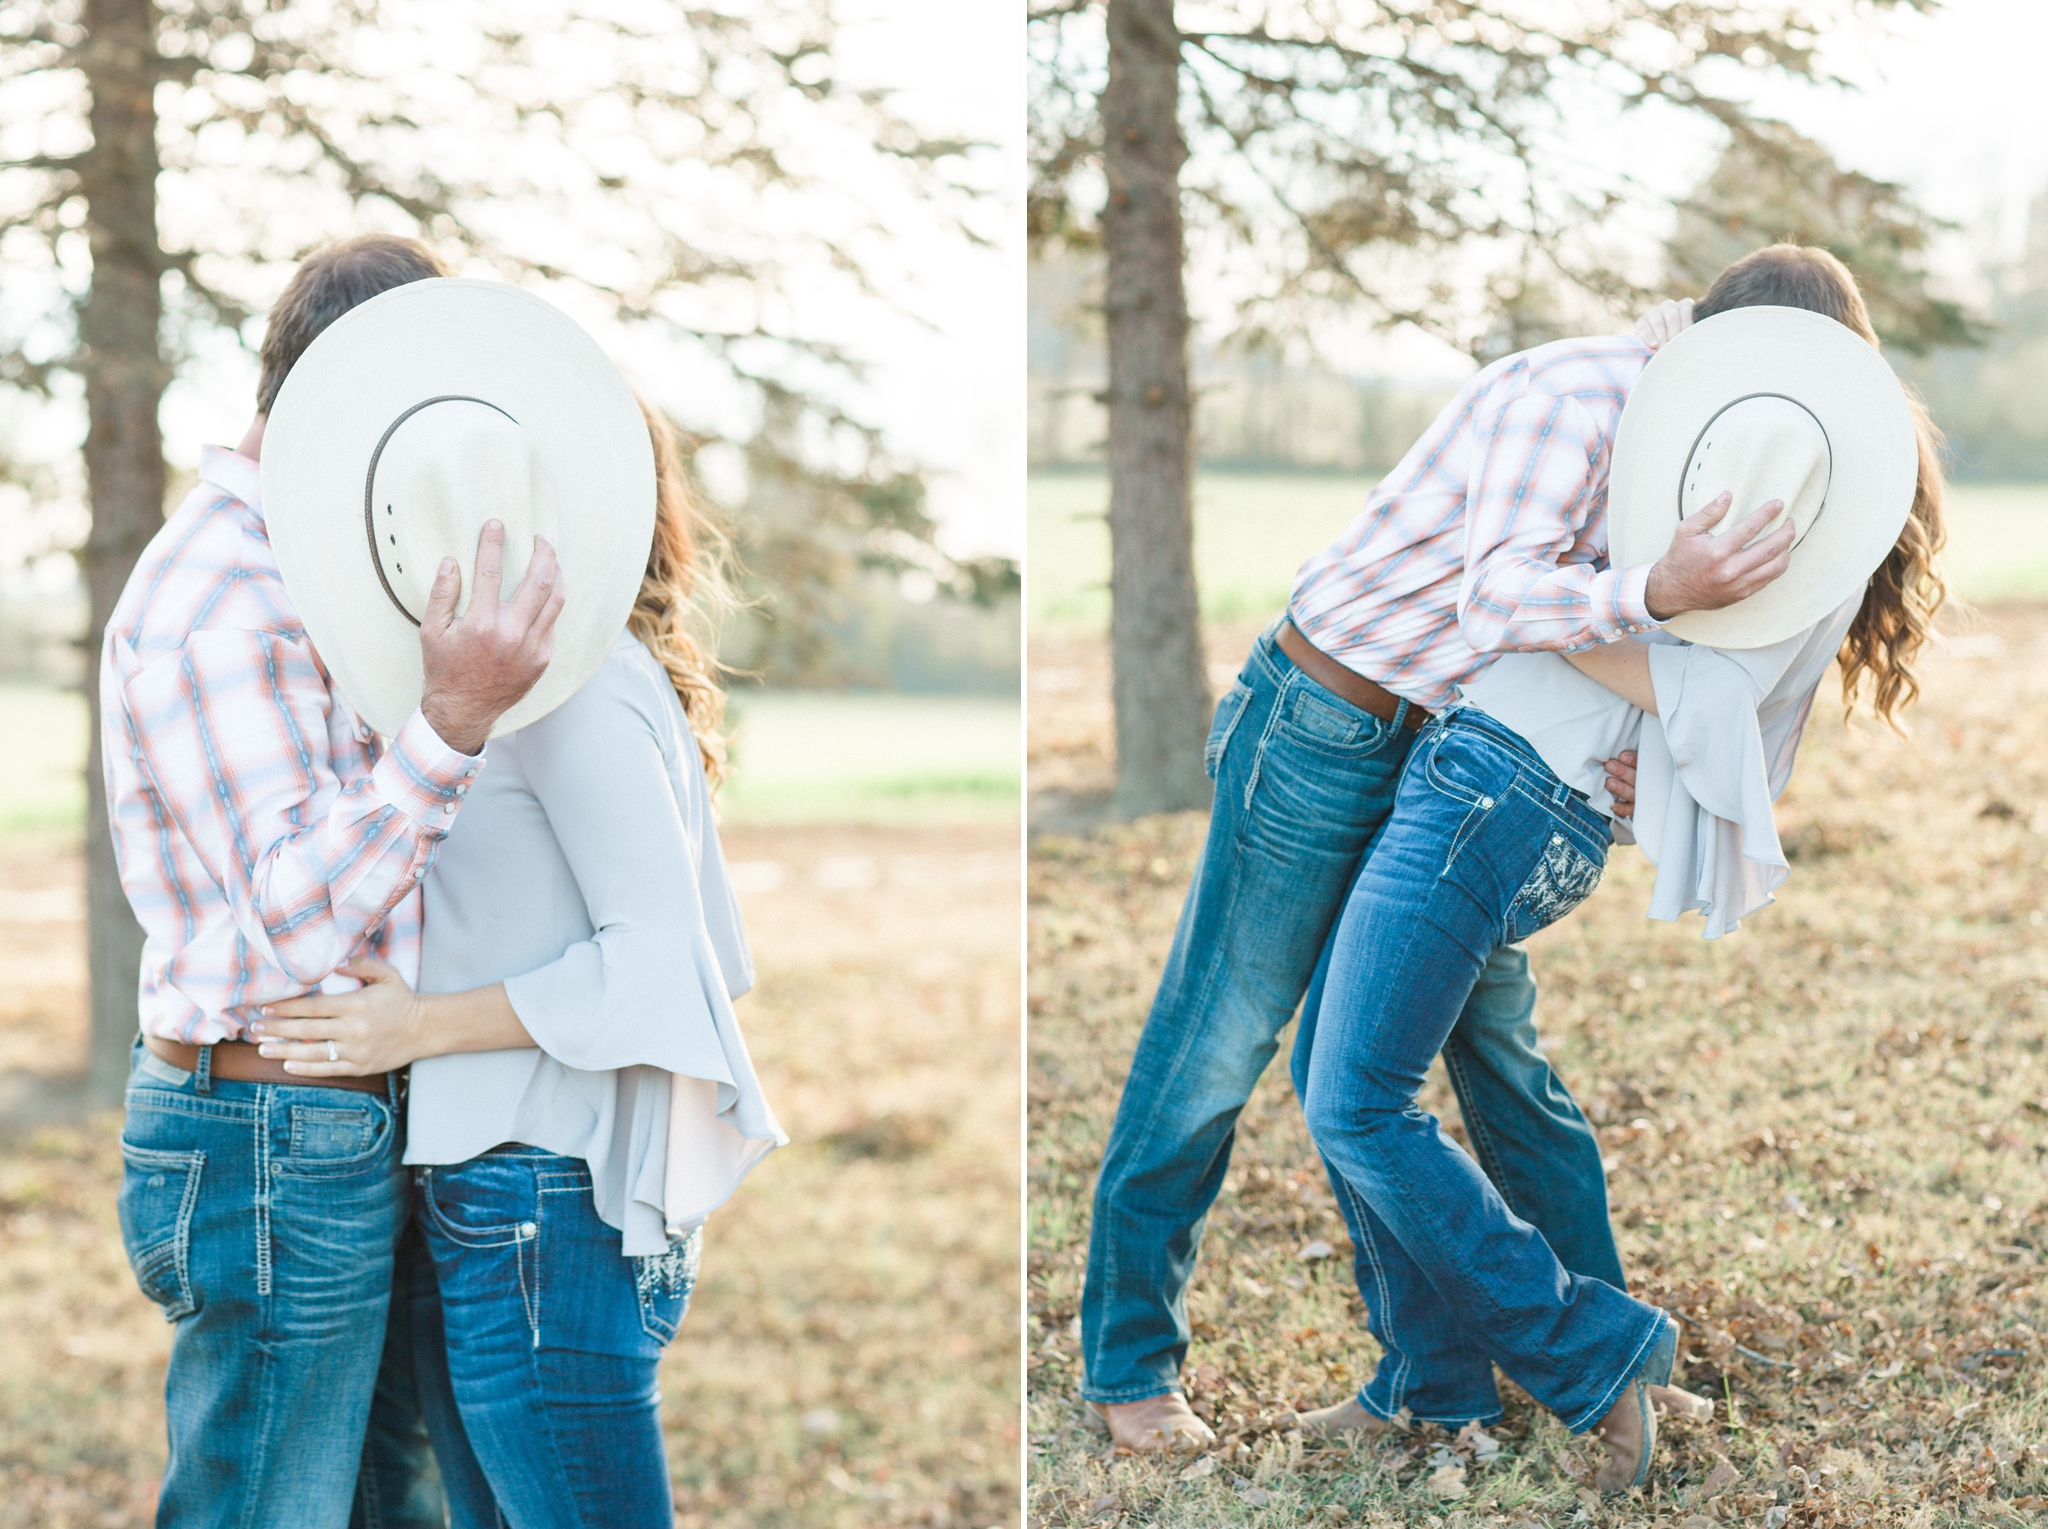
233, 474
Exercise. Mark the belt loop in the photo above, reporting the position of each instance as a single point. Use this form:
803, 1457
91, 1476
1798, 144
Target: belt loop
1400, 712
202, 1075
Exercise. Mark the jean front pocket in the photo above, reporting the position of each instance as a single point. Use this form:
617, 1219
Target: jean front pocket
159, 1191
345, 1133
483, 1203
1312, 717
1564, 877
664, 1282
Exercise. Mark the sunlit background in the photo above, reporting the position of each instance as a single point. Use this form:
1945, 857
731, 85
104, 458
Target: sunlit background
1295, 424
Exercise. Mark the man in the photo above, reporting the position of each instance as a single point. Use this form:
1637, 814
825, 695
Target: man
265, 836
1488, 537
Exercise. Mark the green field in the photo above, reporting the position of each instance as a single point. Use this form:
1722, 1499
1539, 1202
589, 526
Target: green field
802, 757
42, 780
810, 757
1252, 531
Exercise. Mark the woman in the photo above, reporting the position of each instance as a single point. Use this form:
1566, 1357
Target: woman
1514, 778
581, 1097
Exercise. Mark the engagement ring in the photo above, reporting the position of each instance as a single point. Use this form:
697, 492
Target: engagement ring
332, 1054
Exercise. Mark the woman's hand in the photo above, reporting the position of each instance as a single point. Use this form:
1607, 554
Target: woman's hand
1663, 323
1621, 783
380, 1026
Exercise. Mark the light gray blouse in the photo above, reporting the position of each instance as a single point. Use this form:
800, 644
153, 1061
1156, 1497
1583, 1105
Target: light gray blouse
1708, 766
585, 874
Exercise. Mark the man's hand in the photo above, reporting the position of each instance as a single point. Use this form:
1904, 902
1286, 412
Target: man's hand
379, 1027
1621, 783
1704, 572
1663, 323
478, 666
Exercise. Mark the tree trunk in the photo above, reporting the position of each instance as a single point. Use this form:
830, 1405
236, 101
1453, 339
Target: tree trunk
121, 357
1161, 685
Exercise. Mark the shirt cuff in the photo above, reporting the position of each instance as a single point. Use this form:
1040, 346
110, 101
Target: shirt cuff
1631, 599
423, 777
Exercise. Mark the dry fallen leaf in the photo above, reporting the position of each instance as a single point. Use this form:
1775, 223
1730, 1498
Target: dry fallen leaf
1721, 1477
1312, 1251
1448, 1482
1206, 1466
1484, 1446
1697, 1521
1257, 1497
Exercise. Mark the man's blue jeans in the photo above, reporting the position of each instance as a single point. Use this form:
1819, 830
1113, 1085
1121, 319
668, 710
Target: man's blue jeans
262, 1218
1304, 784
547, 1414
1485, 846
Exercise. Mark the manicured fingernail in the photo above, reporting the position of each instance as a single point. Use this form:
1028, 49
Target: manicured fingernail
266, 1051
447, 566
494, 525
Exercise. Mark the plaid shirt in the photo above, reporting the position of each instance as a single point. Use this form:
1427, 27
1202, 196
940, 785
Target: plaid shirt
1491, 534
263, 836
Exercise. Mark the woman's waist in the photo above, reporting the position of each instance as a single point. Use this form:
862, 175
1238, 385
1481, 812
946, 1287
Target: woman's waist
465, 1103
1521, 770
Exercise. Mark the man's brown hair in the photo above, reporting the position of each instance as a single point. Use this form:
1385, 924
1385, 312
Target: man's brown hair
326, 285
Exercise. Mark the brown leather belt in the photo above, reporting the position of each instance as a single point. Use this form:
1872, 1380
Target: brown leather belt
1347, 684
239, 1062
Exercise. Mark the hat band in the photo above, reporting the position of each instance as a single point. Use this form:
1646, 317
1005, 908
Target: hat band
1693, 451
370, 489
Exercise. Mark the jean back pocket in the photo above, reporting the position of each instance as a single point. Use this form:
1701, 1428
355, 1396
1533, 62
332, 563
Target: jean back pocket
1564, 877
1229, 711
159, 1191
663, 1283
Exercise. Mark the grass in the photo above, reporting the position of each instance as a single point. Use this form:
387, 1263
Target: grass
41, 781
1826, 1137
811, 757
1252, 531
850, 1357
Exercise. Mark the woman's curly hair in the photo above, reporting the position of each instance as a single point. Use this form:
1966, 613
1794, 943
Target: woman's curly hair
685, 596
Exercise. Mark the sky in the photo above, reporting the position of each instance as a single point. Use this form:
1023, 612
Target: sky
1950, 104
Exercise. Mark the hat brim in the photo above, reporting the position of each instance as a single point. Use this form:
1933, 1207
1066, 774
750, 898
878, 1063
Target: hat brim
475, 339
1843, 381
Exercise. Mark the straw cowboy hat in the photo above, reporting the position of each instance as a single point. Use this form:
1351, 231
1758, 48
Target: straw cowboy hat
1766, 403
412, 420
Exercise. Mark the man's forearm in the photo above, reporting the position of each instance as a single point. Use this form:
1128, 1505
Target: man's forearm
479, 1019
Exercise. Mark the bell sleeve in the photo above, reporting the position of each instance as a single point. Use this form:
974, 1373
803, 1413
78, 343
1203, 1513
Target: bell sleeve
654, 984
1705, 780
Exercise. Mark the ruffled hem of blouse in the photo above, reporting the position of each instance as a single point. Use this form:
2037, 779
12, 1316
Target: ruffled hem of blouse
1721, 857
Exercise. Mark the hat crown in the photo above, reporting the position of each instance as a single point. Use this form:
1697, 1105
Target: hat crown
445, 468
1755, 450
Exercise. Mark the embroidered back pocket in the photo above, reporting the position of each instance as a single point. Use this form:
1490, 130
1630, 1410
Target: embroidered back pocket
1563, 878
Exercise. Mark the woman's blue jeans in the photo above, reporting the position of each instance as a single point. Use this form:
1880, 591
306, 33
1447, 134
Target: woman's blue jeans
1486, 846
1304, 785
547, 1416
